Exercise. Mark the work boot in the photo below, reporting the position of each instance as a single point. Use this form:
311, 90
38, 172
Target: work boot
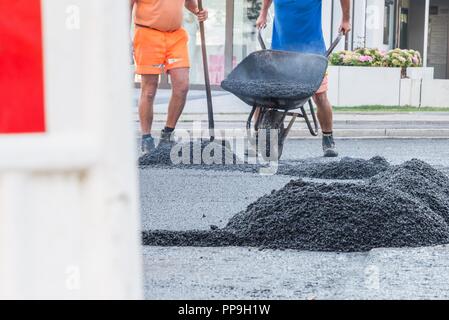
329, 146
167, 137
148, 145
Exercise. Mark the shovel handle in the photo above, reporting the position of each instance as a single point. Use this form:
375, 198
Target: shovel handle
210, 109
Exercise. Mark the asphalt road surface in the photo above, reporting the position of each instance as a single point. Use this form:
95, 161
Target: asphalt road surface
175, 199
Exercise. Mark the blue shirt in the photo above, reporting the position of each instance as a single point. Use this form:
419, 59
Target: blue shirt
298, 26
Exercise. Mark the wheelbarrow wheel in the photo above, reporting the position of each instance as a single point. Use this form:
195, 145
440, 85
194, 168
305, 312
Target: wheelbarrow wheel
272, 121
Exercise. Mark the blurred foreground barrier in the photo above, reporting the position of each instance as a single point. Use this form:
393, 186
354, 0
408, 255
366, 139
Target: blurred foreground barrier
69, 224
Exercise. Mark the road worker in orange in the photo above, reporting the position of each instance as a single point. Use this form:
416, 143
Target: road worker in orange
161, 45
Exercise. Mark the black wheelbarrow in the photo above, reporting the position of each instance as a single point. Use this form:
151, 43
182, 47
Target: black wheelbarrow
277, 83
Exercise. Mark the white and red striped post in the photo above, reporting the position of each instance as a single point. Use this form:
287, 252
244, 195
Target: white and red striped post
69, 223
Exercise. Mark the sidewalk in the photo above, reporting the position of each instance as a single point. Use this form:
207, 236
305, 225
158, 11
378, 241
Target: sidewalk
230, 112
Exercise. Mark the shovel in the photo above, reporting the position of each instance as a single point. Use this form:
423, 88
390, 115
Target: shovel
210, 108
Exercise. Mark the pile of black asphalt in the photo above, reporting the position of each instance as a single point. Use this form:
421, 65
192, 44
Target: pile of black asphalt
421, 181
344, 169
199, 154
403, 206
269, 89
193, 156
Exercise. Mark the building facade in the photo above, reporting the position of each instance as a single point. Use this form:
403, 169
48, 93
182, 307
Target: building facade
422, 25
414, 24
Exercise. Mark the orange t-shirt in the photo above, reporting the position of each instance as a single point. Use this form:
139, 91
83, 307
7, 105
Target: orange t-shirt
163, 15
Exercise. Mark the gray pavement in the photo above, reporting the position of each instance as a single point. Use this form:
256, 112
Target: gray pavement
433, 151
246, 273
175, 199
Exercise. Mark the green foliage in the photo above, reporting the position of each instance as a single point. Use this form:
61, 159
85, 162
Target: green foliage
365, 57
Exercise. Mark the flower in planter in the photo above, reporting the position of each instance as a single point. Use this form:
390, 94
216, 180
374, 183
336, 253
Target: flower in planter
366, 57
343, 58
350, 58
415, 58
365, 61
375, 56
403, 58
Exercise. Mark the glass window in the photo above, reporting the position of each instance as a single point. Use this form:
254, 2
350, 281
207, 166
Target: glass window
215, 40
245, 33
404, 24
389, 23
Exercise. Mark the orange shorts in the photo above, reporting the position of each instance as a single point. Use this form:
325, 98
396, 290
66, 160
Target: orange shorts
324, 85
156, 50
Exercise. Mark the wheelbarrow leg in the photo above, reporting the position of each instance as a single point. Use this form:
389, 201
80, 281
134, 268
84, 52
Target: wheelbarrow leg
289, 127
273, 120
312, 112
260, 116
313, 130
252, 140
250, 118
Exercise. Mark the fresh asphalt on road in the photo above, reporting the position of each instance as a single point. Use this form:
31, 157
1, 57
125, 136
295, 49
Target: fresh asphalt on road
175, 199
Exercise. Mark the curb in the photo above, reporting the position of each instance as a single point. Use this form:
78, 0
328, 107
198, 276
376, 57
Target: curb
376, 133
379, 133
337, 120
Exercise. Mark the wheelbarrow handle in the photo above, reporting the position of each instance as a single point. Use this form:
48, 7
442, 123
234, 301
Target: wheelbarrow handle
260, 38
328, 53
334, 44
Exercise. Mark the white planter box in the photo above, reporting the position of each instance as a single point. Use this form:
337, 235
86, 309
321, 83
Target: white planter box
435, 93
420, 73
355, 86
410, 92
334, 84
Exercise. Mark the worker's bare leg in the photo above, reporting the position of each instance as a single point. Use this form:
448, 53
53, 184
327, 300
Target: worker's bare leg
180, 88
325, 117
148, 92
324, 111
